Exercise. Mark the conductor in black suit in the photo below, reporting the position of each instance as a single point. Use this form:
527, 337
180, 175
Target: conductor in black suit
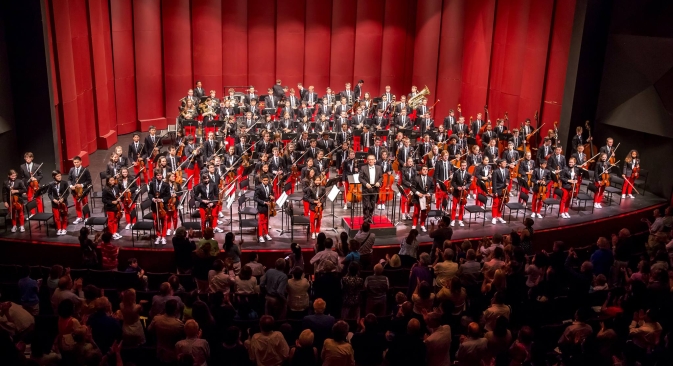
371, 178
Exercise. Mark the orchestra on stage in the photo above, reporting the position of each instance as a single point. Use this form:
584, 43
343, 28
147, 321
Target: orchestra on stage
385, 155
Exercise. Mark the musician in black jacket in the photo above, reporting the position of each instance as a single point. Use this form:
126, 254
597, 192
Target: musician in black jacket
482, 174
206, 195
14, 188
315, 195
79, 177
370, 178
322, 125
136, 154
557, 161
449, 120
58, 193
423, 188
110, 200
578, 140
499, 183
460, 126
311, 97
31, 172
602, 166
541, 177
631, 165
152, 146
348, 167
545, 151
526, 167
442, 173
126, 181
264, 197
460, 182
569, 182
408, 175
160, 193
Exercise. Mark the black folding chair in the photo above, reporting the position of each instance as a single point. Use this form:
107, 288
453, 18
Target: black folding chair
39, 217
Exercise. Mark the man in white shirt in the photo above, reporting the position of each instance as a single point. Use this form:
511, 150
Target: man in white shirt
371, 178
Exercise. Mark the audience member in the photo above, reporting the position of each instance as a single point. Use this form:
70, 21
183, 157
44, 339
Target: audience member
109, 252
438, 342
336, 351
268, 347
297, 294
159, 301
246, 284
275, 282
352, 284
133, 333
366, 239
168, 330
29, 291
369, 343
473, 348
409, 249
182, 250
304, 354
320, 323
192, 344
377, 286
322, 257
232, 252
446, 269
407, 348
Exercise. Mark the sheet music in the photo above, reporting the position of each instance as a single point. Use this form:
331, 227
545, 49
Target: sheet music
356, 178
422, 203
281, 200
229, 191
230, 200
333, 193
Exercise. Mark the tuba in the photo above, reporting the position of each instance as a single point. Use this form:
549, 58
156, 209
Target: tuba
415, 101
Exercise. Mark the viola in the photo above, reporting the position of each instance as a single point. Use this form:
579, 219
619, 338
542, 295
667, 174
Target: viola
272, 208
605, 179
128, 199
542, 190
179, 179
463, 196
63, 209
161, 210
181, 150
170, 206
16, 204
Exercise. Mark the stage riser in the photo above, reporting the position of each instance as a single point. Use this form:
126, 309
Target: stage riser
381, 232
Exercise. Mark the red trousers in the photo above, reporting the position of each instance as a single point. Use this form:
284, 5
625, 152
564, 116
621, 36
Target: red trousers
127, 214
161, 231
565, 201
626, 188
61, 221
439, 197
79, 204
212, 223
136, 171
461, 209
263, 228
495, 209
356, 143
417, 212
537, 203
404, 201
112, 222
345, 191
598, 197
18, 219
172, 219
194, 173
30, 194
315, 222
306, 208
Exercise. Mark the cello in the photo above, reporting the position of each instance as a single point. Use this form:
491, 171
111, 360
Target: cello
386, 193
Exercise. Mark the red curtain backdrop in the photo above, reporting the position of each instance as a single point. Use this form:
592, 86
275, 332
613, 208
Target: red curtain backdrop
120, 66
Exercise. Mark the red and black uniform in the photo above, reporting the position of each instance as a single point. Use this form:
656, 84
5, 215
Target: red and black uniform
16, 215
172, 216
110, 194
313, 193
525, 166
409, 175
160, 190
600, 168
263, 195
627, 171
130, 210
56, 191
425, 185
567, 174
348, 168
461, 178
276, 166
499, 182
208, 192
25, 174
540, 176
443, 171
81, 176
194, 166
481, 175
136, 150
151, 141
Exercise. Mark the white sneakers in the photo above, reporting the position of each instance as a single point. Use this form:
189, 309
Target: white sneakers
13, 229
128, 227
496, 219
267, 237
116, 236
532, 215
163, 241
220, 214
539, 216
261, 239
168, 232
313, 236
423, 229
413, 227
623, 196
565, 215
218, 230
160, 240
453, 222
345, 207
597, 205
460, 223
631, 196
502, 221
21, 229
77, 221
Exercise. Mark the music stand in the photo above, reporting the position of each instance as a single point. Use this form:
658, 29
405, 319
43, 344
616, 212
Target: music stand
444, 189
401, 191
331, 182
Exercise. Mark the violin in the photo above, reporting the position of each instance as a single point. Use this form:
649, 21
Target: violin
209, 214
635, 172
272, 208
605, 178
181, 149
542, 190
463, 196
34, 184
141, 162
161, 210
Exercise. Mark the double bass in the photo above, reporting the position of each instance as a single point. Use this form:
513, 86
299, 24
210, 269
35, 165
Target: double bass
589, 148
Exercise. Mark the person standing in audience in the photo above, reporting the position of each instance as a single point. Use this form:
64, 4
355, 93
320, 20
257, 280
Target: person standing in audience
192, 344
336, 350
267, 348
168, 329
275, 282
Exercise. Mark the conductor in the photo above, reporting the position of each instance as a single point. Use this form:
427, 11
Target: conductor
371, 178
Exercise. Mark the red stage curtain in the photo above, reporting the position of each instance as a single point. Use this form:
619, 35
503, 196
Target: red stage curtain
235, 43
177, 47
261, 44
123, 55
450, 57
368, 44
426, 52
317, 50
397, 45
342, 44
106, 134
207, 44
290, 17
